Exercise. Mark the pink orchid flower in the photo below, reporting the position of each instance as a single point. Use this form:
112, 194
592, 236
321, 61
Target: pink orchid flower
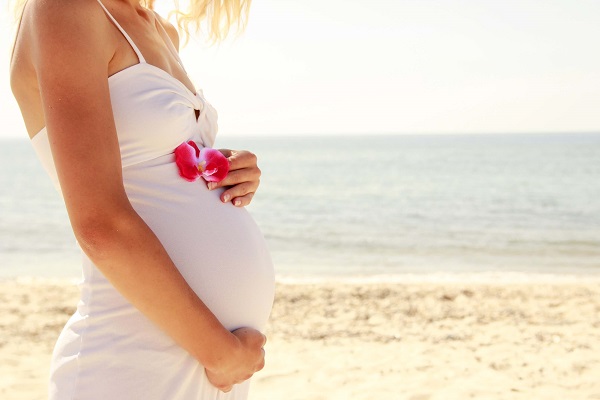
207, 163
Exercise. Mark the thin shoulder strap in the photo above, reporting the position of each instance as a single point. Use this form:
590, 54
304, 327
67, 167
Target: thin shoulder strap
133, 46
169, 42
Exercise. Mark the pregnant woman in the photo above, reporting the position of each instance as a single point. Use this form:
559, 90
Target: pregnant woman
177, 280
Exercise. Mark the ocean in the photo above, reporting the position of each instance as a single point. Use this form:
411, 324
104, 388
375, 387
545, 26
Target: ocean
370, 206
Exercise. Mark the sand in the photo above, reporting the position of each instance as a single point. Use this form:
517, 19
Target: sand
413, 341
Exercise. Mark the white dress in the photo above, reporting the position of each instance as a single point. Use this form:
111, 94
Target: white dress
110, 351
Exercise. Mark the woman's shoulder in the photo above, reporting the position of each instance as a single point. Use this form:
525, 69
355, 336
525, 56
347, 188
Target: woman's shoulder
57, 24
62, 14
57, 38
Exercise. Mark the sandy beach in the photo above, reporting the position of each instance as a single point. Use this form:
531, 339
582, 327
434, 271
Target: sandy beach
413, 341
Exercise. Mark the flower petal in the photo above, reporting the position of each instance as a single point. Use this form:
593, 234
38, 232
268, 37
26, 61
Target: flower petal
195, 146
187, 161
216, 167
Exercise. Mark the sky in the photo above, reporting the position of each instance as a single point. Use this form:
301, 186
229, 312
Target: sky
311, 67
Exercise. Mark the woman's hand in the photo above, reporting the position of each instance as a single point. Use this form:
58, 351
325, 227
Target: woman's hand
249, 359
242, 180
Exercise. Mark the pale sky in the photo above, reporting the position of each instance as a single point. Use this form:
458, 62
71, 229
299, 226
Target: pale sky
396, 66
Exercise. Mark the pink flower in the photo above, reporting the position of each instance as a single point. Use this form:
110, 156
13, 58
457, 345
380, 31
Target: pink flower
208, 163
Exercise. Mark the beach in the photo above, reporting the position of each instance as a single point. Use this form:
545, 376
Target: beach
466, 267
413, 339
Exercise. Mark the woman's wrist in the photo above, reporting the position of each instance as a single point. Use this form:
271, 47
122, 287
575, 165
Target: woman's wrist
222, 354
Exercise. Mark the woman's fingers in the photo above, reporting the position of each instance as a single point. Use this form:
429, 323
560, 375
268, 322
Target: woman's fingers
219, 381
261, 365
238, 191
241, 159
243, 178
226, 152
235, 177
243, 201
222, 382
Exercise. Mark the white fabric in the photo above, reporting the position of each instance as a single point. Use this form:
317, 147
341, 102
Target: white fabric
109, 350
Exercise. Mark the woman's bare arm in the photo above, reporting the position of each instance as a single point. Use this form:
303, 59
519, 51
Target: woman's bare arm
70, 54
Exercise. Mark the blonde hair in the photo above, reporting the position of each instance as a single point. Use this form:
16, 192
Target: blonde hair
217, 17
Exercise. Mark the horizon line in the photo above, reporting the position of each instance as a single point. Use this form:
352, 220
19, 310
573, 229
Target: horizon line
356, 134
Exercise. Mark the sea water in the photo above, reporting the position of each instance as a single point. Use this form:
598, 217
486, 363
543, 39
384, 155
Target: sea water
370, 205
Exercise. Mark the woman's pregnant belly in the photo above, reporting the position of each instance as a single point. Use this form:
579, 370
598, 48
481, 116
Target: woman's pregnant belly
218, 248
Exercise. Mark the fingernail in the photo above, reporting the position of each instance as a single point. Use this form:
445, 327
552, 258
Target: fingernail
237, 203
226, 198
211, 185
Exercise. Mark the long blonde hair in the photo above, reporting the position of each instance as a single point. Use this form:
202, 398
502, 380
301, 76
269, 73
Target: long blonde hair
219, 17
215, 17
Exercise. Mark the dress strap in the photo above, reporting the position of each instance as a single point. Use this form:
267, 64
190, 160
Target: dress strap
169, 42
131, 43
